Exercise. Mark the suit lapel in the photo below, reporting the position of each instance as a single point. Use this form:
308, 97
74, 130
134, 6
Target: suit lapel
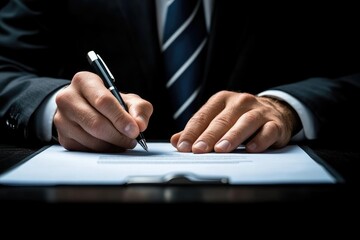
228, 43
141, 19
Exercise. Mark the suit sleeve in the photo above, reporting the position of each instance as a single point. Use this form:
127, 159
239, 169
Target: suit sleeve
26, 56
334, 103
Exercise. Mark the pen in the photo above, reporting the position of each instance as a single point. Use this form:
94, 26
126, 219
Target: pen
103, 71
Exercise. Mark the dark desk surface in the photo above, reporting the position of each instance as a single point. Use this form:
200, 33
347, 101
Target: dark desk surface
345, 160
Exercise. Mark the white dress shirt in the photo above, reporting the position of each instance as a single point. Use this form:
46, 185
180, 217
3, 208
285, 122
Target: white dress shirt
45, 114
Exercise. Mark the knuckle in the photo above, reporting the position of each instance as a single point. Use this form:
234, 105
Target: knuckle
200, 118
101, 100
94, 124
211, 137
234, 134
273, 128
222, 122
220, 95
148, 106
191, 133
246, 97
119, 119
251, 116
278, 136
62, 98
78, 78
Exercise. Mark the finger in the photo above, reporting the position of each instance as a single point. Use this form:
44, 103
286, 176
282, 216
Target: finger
75, 134
100, 98
98, 127
216, 129
198, 123
246, 126
140, 109
175, 139
266, 137
72, 145
91, 121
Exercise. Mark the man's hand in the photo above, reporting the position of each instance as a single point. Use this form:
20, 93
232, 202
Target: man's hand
89, 118
229, 119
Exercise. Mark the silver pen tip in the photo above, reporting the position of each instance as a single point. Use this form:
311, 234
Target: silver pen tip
143, 144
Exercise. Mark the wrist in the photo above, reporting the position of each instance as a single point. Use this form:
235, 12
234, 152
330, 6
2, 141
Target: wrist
291, 117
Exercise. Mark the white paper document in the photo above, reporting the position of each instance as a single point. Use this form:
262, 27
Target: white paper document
57, 166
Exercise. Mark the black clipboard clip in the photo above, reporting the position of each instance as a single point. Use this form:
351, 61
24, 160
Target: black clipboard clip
176, 178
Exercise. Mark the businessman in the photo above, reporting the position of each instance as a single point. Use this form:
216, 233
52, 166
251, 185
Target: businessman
258, 77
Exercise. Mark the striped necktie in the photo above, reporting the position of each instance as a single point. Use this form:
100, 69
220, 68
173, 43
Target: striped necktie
184, 44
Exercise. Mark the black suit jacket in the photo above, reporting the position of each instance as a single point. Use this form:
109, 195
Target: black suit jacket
303, 51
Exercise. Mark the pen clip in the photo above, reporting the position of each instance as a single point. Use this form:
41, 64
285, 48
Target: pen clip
105, 66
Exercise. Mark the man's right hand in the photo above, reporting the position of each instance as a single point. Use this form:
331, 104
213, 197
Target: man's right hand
89, 118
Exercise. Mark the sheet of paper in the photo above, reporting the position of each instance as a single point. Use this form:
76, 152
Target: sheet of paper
56, 165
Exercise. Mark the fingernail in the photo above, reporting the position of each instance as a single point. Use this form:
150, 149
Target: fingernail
201, 145
224, 145
130, 130
184, 146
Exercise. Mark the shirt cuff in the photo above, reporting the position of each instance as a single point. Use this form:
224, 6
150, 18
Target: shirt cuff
44, 118
309, 124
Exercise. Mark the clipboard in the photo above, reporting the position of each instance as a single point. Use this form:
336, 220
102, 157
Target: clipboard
54, 165
176, 178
